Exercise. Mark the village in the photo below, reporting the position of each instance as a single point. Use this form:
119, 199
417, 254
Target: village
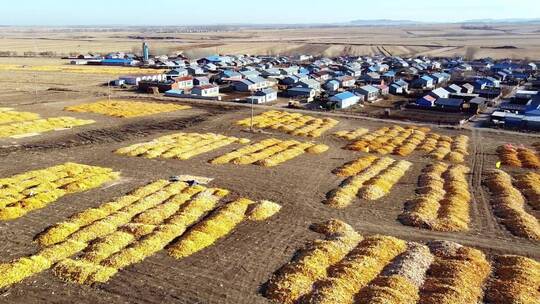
451, 91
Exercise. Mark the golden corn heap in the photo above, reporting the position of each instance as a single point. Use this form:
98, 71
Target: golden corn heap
516, 279
443, 199
180, 145
509, 206
345, 268
529, 185
368, 177
440, 147
291, 123
92, 246
351, 135
518, 157
7, 115
124, 108
394, 139
269, 152
36, 189
41, 125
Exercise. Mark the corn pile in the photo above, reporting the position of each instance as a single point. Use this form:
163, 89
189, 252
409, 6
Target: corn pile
40, 126
508, 205
269, 152
124, 108
310, 264
7, 115
345, 268
127, 230
529, 185
80, 69
443, 199
395, 139
291, 123
22, 193
401, 280
370, 178
180, 145
518, 157
456, 276
515, 279
351, 135
446, 148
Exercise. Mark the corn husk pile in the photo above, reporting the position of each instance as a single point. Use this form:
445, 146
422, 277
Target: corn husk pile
518, 156
529, 185
291, 123
508, 205
22, 193
310, 264
456, 276
269, 152
529, 159
23, 128
345, 194
443, 200
359, 267
126, 108
356, 166
351, 135
181, 146
262, 210
515, 279
446, 148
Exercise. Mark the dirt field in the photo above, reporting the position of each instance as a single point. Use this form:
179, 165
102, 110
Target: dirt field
410, 40
234, 268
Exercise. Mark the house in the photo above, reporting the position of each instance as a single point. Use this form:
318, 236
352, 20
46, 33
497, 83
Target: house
440, 78
449, 104
162, 86
321, 75
439, 93
301, 92
208, 90
372, 77
370, 92
229, 75
135, 79
199, 81
424, 82
467, 88
291, 80
179, 72
476, 104
263, 96
427, 101
251, 84
399, 87
332, 85
345, 99
185, 82
195, 70
310, 83
454, 88
346, 81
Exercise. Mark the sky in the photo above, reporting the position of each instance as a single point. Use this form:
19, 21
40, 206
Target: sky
197, 12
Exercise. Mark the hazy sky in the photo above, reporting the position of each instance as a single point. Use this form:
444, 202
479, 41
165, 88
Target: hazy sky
187, 12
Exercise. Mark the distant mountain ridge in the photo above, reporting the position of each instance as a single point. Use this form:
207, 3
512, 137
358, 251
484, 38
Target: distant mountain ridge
383, 22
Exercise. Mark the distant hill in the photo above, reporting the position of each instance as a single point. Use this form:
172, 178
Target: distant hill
513, 20
384, 22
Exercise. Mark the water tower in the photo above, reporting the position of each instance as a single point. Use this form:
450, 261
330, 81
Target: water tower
145, 51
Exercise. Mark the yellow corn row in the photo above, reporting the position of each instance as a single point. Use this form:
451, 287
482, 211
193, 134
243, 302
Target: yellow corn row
22, 193
450, 149
269, 152
125, 231
350, 188
395, 139
41, 125
361, 265
356, 166
180, 145
529, 185
455, 277
518, 157
310, 264
125, 108
443, 201
351, 135
508, 204
515, 279
291, 123
8, 116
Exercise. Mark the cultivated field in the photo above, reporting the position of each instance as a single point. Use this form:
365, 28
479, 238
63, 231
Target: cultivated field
109, 244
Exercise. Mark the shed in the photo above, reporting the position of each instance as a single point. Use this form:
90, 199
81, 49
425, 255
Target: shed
345, 100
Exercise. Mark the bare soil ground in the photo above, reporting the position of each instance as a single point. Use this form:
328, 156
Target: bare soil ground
232, 270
